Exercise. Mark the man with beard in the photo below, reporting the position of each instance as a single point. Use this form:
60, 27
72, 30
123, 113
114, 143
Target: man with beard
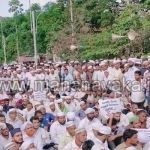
130, 139
17, 137
47, 119
101, 134
131, 69
58, 128
89, 120
80, 138
4, 135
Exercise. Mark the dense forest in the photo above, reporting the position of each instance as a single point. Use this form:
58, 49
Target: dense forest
94, 23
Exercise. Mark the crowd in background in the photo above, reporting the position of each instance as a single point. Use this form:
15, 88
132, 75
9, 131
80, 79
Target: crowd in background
69, 116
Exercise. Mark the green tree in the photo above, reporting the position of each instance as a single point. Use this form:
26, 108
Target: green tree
15, 7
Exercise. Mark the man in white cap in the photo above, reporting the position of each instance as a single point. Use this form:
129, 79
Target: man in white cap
4, 135
69, 136
89, 120
58, 128
13, 118
80, 138
101, 134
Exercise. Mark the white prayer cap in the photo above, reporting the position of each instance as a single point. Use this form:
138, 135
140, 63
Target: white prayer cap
24, 68
52, 96
60, 114
89, 67
142, 137
124, 60
70, 124
10, 145
101, 129
76, 62
131, 148
18, 69
126, 65
25, 145
116, 61
68, 97
1, 108
131, 59
59, 101
40, 107
70, 116
89, 110
92, 61
138, 61
12, 110
82, 102
102, 63
51, 103
23, 127
2, 126
79, 130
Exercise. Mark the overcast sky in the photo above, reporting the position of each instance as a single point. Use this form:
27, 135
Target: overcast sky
4, 5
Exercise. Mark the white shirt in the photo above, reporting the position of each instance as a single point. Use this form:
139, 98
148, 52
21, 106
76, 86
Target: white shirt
41, 138
72, 146
99, 145
123, 121
87, 124
57, 131
4, 141
28, 114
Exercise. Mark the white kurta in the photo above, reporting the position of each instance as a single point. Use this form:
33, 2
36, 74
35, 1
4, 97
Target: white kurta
72, 146
85, 123
57, 131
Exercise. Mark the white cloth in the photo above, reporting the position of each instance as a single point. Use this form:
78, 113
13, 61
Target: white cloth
57, 131
72, 146
85, 123
99, 145
4, 142
28, 114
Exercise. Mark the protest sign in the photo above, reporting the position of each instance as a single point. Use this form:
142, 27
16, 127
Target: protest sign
110, 105
40, 95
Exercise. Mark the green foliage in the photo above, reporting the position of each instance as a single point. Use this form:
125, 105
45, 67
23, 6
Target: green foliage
53, 24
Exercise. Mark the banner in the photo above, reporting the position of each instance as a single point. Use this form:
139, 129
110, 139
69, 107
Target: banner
111, 105
40, 96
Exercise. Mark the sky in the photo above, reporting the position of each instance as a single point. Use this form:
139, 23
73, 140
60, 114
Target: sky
4, 5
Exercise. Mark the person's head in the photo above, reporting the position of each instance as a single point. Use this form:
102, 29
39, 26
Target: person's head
61, 118
36, 122
134, 108
96, 113
80, 136
52, 106
2, 118
29, 106
117, 64
4, 131
90, 113
42, 109
130, 136
113, 124
28, 129
70, 126
87, 145
142, 116
117, 116
68, 99
131, 63
137, 75
83, 105
66, 71
39, 115
12, 113
17, 135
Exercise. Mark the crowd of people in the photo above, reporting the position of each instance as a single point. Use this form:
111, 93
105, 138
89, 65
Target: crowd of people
58, 105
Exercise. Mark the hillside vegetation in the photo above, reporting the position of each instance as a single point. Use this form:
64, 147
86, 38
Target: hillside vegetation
94, 23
